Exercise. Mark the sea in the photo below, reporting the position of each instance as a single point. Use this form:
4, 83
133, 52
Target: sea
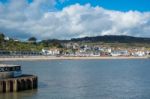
86, 79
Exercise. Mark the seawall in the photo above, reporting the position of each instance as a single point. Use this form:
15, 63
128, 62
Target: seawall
24, 82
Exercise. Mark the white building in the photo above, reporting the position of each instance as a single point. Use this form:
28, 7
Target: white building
139, 53
52, 52
7, 38
120, 53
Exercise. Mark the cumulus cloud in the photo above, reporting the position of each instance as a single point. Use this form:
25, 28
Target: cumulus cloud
22, 19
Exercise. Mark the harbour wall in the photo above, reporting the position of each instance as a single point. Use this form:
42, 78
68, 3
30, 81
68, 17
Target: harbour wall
24, 82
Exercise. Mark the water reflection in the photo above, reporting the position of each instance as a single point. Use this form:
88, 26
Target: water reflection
19, 95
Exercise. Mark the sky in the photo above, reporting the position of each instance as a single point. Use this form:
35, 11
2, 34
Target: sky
65, 19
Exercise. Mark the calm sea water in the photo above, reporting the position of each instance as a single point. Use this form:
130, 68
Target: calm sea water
87, 79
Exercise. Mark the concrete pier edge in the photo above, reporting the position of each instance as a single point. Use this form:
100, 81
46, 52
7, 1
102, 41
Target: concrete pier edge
24, 82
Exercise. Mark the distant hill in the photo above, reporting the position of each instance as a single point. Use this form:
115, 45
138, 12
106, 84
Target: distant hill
112, 39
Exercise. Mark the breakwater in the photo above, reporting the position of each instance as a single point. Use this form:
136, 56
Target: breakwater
24, 82
12, 79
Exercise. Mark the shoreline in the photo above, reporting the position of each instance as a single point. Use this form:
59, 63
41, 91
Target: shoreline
37, 58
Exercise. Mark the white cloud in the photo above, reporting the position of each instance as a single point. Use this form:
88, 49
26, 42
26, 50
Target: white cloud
21, 19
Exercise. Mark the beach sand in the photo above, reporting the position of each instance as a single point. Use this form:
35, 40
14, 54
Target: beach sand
36, 58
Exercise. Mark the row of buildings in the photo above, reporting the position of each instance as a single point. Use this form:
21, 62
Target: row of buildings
86, 50
81, 50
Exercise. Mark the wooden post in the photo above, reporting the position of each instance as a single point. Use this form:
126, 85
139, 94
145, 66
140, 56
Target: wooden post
1, 86
15, 87
7, 86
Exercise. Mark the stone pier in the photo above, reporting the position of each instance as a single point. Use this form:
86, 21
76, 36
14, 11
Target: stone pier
24, 82
12, 79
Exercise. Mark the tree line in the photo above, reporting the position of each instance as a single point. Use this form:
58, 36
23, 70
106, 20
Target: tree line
30, 45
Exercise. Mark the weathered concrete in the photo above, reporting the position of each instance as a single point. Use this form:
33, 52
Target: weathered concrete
24, 82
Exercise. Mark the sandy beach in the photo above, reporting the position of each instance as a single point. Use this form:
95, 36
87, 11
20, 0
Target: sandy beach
36, 58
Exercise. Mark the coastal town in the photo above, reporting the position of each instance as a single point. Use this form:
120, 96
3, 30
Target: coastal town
76, 50
14, 47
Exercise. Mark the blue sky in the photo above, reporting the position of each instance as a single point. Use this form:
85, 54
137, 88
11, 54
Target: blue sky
65, 19
121, 5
